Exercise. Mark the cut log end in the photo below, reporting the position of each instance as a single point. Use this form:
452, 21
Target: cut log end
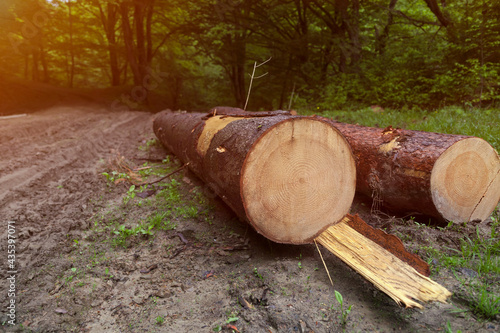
298, 179
465, 181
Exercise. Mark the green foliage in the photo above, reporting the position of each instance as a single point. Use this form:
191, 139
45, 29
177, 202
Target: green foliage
160, 320
326, 56
448, 328
123, 233
113, 176
149, 143
484, 303
169, 204
130, 195
160, 221
231, 319
257, 274
481, 255
344, 312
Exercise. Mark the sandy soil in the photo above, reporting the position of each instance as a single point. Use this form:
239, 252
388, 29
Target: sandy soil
207, 274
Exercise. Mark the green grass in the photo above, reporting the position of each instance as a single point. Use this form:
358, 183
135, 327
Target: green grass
344, 310
148, 144
168, 204
452, 120
160, 320
482, 255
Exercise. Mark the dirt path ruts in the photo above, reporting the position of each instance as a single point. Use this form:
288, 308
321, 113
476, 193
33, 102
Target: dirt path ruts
48, 168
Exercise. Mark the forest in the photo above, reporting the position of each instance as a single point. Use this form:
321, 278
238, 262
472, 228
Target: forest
303, 54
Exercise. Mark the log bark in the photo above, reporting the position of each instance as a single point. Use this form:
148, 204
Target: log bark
450, 177
290, 177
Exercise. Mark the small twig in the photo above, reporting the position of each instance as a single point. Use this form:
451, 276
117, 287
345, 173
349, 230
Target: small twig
326, 268
253, 77
162, 178
176, 253
291, 97
148, 159
149, 269
258, 77
182, 238
142, 168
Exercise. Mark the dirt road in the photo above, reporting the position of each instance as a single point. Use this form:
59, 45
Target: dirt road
89, 256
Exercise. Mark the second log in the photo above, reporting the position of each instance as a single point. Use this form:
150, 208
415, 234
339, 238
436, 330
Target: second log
450, 177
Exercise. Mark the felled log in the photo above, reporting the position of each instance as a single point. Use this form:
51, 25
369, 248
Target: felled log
290, 177
450, 177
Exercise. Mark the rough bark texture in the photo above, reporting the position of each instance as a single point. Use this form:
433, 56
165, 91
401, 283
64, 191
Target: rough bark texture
229, 149
220, 171
397, 168
389, 242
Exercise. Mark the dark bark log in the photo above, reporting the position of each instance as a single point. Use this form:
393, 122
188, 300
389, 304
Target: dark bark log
273, 171
227, 111
451, 177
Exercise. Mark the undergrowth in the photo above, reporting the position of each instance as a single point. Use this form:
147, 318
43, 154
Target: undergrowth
161, 208
479, 257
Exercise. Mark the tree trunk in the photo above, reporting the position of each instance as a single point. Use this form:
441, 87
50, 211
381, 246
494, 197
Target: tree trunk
35, 70
44, 65
451, 177
381, 40
290, 177
128, 38
149, 38
109, 23
71, 48
140, 39
434, 7
237, 73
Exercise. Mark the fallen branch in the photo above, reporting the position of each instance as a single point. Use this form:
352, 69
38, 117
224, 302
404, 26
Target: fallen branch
164, 177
